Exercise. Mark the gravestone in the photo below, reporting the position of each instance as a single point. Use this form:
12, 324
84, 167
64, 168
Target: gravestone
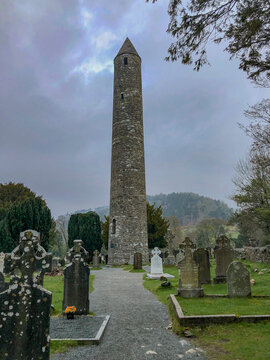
238, 280
77, 248
180, 256
76, 283
55, 263
201, 256
137, 261
156, 262
25, 305
169, 260
2, 260
189, 284
131, 260
224, 256
96, 259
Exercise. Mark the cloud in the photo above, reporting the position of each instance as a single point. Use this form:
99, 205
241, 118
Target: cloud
56, 93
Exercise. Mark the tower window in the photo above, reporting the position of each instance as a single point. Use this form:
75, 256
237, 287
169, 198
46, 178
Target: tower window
125, 60
113, 226
122, 96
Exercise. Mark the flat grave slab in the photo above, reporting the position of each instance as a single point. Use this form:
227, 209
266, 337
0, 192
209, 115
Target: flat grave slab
84, 328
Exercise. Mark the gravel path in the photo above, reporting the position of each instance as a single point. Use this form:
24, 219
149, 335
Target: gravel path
137, 328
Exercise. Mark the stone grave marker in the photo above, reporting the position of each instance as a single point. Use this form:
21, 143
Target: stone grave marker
137, 261
76, 283
169, 260
189, 284
201, 256
2, 259
157, 266
131, 260
238, 280
25, 305
55, 263
96, 259
77, 248
224, 256
156, 262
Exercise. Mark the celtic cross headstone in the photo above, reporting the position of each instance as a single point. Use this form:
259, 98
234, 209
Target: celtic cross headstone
156, 262
77, 249
189, 284
25, 305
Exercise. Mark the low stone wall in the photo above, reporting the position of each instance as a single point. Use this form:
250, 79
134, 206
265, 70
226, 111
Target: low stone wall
256, 254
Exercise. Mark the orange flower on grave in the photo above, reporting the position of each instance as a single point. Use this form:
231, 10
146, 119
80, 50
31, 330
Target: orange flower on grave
70, 309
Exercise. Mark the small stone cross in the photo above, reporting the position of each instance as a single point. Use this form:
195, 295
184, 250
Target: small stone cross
96, 253
156, 251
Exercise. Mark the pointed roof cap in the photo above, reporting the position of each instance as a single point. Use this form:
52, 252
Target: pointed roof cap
127, 48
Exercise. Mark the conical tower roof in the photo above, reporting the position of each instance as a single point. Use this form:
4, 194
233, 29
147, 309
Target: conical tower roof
127, 48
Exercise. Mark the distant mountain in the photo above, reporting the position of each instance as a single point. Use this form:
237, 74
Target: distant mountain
190, 208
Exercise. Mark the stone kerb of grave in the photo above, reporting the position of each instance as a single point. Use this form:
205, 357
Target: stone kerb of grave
238, 280
77, 247
189, 284
137, 261
224, 256
157, 266
201, 257
96, 259
25, 305
76, 283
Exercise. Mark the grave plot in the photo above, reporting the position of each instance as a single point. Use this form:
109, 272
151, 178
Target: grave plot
72, 290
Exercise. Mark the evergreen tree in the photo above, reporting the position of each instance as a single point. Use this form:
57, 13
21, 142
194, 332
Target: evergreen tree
21, 209
85, 227
157, 227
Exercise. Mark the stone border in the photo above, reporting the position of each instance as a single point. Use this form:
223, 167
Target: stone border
91, 341
212, 319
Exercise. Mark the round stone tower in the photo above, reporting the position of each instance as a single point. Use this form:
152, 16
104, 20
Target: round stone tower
128, 218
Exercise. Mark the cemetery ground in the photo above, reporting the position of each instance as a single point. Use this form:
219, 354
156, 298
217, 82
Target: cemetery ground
242, 341
55, 284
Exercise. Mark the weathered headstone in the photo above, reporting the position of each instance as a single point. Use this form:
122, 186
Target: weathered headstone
76, 283
189, 284
55, 263
238, 280
201, 256
96, 259
137, 261
2, 260
25, 305
169, 260
77, 248
131, 260
224, 256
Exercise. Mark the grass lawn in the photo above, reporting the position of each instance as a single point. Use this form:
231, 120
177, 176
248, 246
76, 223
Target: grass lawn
55, 284
242, 341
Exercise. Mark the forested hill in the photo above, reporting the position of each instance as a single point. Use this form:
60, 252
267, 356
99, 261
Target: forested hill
190, 208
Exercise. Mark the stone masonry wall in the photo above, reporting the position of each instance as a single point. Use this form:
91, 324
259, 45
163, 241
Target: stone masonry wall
256, 254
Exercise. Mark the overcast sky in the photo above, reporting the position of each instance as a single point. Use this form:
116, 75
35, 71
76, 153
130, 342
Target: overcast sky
56, 85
